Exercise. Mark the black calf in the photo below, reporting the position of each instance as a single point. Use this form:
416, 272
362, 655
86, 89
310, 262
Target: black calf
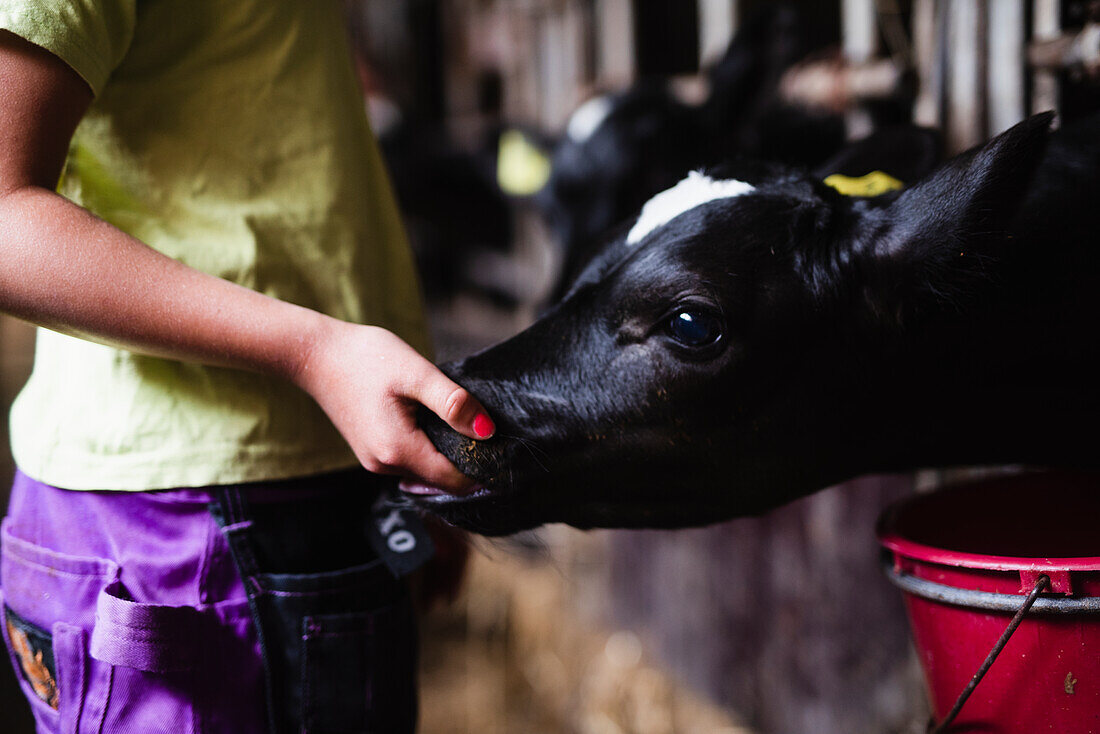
773, 337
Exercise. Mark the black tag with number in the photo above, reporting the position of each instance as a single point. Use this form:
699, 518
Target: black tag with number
397, 535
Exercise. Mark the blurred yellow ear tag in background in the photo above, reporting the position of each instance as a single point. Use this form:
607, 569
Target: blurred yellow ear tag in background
522, 169
874, 183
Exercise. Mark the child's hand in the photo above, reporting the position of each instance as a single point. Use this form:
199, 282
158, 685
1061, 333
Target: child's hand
370, 382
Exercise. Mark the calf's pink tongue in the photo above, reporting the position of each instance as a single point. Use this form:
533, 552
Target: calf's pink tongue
427, 490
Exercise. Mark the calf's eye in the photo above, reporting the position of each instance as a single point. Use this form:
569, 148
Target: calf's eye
695, 328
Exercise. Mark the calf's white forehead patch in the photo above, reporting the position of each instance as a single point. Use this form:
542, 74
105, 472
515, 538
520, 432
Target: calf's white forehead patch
587, 118
696, 189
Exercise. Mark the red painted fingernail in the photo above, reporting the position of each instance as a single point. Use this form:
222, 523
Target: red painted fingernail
483, 426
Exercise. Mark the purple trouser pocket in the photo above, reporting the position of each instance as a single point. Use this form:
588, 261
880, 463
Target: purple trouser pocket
56, 594
120, 666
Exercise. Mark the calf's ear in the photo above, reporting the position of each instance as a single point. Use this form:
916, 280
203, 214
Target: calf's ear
931, 246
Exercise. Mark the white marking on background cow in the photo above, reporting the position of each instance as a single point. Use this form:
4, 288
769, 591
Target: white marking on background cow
696, 189
587, 118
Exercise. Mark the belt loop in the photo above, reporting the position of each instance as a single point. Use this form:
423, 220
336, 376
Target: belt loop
230, 510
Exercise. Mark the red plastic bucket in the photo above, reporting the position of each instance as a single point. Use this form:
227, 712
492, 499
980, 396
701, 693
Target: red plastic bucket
966, 559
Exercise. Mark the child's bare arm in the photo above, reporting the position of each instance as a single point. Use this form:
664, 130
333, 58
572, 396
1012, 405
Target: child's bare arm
67, 270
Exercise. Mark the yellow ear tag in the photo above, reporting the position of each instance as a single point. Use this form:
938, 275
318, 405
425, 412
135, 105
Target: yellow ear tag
874, 183
522, 169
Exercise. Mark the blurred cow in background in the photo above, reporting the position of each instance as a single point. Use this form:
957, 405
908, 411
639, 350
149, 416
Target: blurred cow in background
621, 148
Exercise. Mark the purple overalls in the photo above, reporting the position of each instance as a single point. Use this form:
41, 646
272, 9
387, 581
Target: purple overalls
244, 609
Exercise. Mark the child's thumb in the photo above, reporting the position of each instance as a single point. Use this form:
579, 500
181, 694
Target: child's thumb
455, 405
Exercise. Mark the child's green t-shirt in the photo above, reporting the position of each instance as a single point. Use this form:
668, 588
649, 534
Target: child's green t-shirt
230, 135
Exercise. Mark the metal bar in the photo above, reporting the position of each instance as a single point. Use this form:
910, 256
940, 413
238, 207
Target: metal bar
859, 37
1007, 22
717, 22
1045, 25
614, 42
964, 121
860, 32
929, 63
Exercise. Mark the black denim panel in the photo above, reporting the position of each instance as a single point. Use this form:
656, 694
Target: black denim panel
342, 651
306, 563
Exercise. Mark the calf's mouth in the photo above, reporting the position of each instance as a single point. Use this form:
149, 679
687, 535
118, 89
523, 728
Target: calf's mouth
494, 506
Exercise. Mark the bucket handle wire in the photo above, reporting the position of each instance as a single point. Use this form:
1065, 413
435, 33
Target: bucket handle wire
1041, 584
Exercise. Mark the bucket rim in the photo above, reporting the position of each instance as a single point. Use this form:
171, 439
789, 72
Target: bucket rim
985, 600
892, 540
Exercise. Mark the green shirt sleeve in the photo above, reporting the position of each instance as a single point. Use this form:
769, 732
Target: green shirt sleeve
91, 36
